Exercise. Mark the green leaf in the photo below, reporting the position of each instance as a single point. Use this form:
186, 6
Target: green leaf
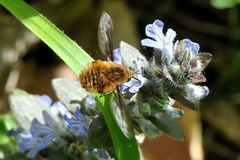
148, 128
7, 122
144, 108
98, 133
73, 55
67, 90
168, 125
4, 138
223, 4
7, 144
134, 110
18, 156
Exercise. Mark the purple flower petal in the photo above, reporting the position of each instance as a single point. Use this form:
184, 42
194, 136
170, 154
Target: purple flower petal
48, 119
195, 92
117, 56
50, 129
32, 153
191, 46
103, 154
159, 41
78, 123
149, 43
31, 145
59, 108
90, 100
38, 129
170, 35
132, 86
173, 112
154, 30
46, 100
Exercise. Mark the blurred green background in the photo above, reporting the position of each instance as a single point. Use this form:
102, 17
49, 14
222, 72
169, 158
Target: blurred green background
211, 133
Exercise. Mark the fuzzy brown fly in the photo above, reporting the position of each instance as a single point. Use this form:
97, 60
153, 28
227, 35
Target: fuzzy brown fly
106, 76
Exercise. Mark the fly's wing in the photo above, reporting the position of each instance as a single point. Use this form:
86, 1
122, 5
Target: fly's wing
121, 114
105, 39
129, 56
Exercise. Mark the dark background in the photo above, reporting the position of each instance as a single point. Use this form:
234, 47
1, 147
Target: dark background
28, 63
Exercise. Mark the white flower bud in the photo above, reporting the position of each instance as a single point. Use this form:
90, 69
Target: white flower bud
195, 93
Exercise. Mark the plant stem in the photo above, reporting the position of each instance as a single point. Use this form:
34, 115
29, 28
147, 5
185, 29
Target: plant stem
125, 147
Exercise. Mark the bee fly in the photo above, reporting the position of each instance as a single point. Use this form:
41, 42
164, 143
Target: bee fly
106, 76
103, 77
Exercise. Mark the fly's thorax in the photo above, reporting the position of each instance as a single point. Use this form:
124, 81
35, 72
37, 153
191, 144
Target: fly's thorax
119, 74
103, 77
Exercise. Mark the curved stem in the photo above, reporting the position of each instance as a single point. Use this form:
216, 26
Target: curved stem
125, 147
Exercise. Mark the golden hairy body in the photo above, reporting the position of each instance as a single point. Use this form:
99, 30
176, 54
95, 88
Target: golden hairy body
103, 77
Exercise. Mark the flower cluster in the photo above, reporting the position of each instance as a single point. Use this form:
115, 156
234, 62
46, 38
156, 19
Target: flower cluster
175, 65
171, 76
181, 63
70, 130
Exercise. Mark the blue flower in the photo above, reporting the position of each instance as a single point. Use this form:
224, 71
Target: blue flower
50, 130
117, 56
172, 111
160, 41
78, 123
46, 100
40, 136
103, 155
195, 93
90, 101
31, 145
134, 84
58, 108
100, 153
191, 47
